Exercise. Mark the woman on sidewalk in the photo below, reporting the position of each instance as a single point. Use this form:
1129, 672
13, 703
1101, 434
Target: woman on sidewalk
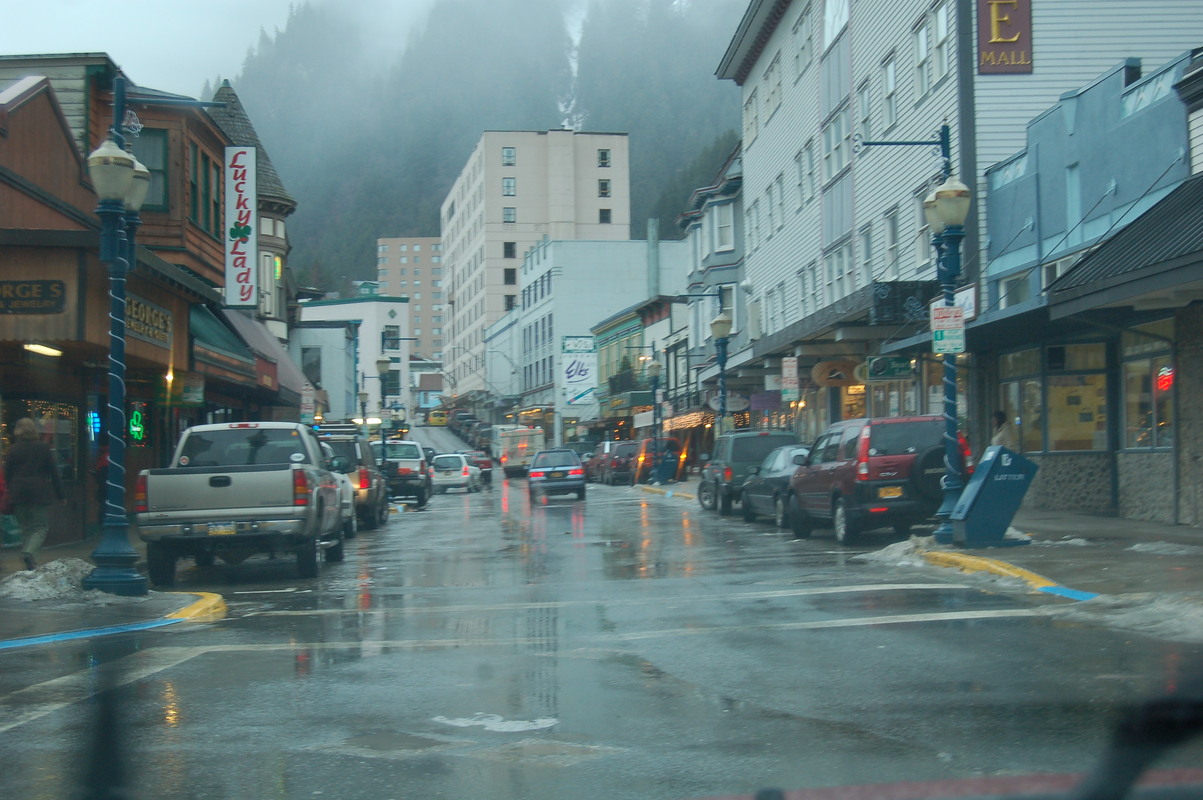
33, 484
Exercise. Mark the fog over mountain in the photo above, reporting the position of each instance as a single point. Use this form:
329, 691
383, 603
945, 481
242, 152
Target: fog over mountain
369, 119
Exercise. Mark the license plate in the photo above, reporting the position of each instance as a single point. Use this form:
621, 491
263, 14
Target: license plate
221, 529
887, 492
556, 475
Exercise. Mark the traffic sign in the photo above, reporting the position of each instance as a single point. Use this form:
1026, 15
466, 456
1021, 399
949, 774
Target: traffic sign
948, 329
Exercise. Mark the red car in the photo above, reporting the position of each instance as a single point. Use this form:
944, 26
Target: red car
482, 460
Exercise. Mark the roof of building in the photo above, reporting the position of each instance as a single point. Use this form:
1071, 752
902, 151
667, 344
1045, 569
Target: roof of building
232, 118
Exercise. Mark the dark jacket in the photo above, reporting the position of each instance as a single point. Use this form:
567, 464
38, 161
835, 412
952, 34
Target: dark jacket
31, 474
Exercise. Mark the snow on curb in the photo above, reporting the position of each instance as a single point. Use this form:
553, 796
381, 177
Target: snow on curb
1167, 549
61, 579
1177, 616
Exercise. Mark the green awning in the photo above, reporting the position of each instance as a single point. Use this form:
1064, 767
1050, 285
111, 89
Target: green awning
216, 335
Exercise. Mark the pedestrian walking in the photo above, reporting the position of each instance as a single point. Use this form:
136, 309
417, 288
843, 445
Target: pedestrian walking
1004, 435
33, 484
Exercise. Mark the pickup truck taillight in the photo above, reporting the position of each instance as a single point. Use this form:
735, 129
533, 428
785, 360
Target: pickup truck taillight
365, 479
300, 488
140, 506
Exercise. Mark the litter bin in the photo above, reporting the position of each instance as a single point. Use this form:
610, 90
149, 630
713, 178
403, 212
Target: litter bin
989, 501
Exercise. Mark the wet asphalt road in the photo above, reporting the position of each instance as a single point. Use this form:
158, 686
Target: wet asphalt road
627, 646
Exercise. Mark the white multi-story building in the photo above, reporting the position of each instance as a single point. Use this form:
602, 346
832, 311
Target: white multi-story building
413, 267
837, 248
517, 189
383, 333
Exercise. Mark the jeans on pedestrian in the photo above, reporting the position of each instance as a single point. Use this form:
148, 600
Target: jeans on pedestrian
34, 521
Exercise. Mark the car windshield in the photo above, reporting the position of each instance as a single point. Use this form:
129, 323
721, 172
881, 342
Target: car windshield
900, 438
755, 448
448, 462
557, 458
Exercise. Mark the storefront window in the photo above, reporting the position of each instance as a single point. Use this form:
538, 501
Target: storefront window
1031, 415
1077, 412
59, 424
1050, 409
1149, 379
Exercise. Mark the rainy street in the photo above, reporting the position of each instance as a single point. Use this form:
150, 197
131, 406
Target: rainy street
627, 646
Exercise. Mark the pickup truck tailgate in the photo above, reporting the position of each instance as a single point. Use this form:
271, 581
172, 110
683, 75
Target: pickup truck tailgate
216, 488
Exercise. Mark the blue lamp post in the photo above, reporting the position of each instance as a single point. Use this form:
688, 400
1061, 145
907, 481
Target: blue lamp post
653, 374
121, 184
720, 329
946, 209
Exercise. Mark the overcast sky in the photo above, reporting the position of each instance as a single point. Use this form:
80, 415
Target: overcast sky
173, 45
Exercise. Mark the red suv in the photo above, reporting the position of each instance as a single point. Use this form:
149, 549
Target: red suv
869, 473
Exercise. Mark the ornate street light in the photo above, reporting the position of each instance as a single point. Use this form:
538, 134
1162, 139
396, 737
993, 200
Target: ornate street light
653, 374
720, 329
121, 184
945, 210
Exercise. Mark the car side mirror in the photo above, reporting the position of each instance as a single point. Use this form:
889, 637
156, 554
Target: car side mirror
800, 458
753, 471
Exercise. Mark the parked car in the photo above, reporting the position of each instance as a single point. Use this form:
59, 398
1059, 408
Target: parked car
371, 489
454, 471
672, 461
766, 487
437, 418
722, 477
863, 474
610, 462
406, 468
346, 492
556, 472
483, 463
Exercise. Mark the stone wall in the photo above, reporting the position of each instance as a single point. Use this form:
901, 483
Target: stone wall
1071, 482
1146, 485
1188, 384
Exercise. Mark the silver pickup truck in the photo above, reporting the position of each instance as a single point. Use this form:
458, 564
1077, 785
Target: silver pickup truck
237, 489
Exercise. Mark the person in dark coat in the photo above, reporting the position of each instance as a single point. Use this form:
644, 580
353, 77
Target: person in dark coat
33, 485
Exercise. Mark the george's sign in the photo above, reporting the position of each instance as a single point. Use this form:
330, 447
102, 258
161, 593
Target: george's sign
241, 240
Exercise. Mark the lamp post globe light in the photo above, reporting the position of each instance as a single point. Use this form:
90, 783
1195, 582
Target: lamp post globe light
720, 329
945, 210
653, 375
121, 184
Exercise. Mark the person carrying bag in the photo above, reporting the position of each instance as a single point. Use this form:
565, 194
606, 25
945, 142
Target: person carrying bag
33, 484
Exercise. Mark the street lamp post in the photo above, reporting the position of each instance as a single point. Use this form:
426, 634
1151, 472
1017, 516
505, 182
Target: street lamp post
363, 410
720, 329
653, 374
121, 184
383, 364
946, 209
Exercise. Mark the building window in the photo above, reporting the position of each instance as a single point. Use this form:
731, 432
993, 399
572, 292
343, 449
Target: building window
1057, 396
751, 120
889, 88
864, 109
509, 187
942, 60
772, 87
151, 149
922, 59
509, 156
511, 302
803, 44
837, 144
603, 216
509, 214
511, 276
1149, 380
193, 184
780, 200
509, 249
891, 235
724, 227
603, 187
311, 363
603, 157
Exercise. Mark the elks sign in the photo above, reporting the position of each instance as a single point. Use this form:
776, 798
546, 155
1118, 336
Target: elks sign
242, 252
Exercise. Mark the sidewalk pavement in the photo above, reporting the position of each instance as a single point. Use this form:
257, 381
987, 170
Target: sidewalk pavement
1072, 555
73, 614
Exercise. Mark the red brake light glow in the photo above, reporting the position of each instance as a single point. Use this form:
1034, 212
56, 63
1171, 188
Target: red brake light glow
140, 495
365, 480
862, 456
576, 471
300, 488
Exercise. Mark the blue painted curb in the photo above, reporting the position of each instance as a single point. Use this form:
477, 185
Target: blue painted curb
1072, 594
86, 634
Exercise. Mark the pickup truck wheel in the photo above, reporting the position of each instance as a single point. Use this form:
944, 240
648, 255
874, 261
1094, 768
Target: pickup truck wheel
336, 553
307, 564
160, 563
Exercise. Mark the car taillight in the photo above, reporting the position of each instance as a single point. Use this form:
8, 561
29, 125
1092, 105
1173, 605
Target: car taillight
728, 473
576, 471
300, 488
365, 480
862, 456
466, 472
404, 471
140, 495
536, 473
966, 453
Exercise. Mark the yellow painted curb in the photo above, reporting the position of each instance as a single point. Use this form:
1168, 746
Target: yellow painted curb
671, 492
208, 607
968, 563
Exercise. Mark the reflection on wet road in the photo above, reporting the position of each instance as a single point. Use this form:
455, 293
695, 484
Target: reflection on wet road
626, 646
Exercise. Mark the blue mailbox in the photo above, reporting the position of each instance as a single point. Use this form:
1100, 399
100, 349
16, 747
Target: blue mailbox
990, 499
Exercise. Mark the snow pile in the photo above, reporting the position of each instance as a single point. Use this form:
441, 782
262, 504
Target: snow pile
901, 554
61, 579
1071, 541
1167, 549
1175, 616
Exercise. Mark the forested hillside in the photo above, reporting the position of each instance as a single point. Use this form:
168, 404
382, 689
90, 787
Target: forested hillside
368, 128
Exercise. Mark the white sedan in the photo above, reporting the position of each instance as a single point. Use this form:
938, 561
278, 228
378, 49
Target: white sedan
454, 471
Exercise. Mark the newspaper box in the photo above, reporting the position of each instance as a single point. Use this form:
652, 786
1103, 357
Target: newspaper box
989, 501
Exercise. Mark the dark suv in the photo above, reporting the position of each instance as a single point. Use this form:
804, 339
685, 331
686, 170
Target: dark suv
869, 473
367, 479
724, 472
406, 468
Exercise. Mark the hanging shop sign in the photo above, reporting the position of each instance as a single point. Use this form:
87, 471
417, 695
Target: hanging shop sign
835, 373
789, 379
1004, 37
32, 297
240, 237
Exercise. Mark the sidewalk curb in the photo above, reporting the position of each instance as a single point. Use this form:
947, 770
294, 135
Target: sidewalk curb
970, 564
208, 607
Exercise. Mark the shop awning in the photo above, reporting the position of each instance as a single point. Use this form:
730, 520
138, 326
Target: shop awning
212, 333
268, 347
